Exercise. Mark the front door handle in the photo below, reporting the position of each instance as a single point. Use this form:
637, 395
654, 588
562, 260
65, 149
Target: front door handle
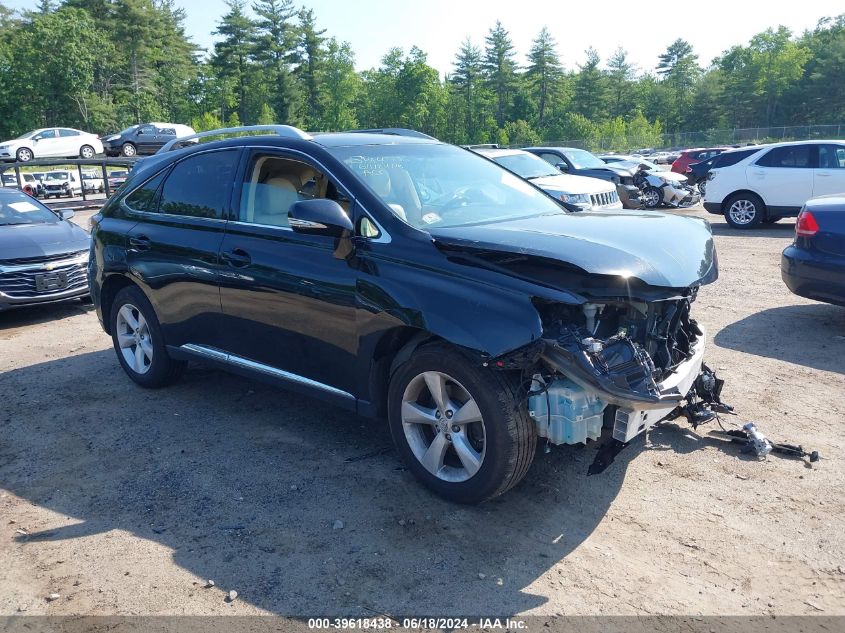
140, 242
236, 257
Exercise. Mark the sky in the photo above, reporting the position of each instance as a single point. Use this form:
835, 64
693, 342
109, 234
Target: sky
643, 28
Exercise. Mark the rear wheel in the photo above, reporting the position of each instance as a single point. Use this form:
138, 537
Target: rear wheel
461, 429
744, 210
86, 151
702, 186
138, 341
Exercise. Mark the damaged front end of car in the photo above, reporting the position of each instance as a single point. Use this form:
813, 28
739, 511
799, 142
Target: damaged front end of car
627, 352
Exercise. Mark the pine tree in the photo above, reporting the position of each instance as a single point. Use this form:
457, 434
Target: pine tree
500, 69
275, 51
311, 55
620, 75
590, 90
233, 54
467, 79
544, 71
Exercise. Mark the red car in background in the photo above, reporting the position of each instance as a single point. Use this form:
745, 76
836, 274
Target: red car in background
690, 156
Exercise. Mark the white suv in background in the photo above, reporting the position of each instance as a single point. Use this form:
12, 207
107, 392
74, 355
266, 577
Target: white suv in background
776, 181
51, 142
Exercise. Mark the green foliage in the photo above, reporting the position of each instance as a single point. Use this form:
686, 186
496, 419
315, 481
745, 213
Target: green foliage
104, 64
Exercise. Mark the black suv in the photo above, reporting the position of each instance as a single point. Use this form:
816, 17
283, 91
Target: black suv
399, 276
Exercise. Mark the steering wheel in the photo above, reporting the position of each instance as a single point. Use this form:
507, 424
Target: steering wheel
457, 198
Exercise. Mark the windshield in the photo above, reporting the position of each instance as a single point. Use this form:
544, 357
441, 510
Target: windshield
582, 159
526, 165
19, 208
26, 135
57, 175
131, 128
443, 185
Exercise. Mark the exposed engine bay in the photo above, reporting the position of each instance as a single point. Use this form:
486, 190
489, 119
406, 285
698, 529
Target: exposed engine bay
622, 365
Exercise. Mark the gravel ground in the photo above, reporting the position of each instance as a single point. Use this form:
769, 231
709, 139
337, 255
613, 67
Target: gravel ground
126, 501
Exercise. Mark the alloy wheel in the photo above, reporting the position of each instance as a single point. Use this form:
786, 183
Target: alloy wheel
87, 152
134, 339
651, 197
443, 426
742, 211
24, 155
128, 149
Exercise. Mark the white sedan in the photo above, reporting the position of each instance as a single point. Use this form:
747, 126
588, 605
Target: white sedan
51, 142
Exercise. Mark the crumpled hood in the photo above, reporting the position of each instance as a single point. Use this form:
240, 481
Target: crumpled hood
565, 183
671, 176
658, 249
35, 240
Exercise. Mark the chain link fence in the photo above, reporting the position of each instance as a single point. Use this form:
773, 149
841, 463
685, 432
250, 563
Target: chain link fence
683, 140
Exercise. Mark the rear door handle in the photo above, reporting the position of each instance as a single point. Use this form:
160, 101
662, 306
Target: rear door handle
236, 257
140, 242
822, 175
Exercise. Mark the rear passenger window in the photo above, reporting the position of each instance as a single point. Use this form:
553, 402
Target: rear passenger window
199, 185
831, 157
144, 197
787, 156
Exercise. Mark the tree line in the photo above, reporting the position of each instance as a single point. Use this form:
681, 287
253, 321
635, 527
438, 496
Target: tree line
102, 65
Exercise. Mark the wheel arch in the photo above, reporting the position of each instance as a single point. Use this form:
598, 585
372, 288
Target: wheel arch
745, 190
108, 291
394, 347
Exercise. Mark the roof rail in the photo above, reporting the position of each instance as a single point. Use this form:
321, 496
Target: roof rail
394, 131
285, 131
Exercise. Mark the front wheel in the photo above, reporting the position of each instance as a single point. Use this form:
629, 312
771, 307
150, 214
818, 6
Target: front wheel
128, 149
137, 339
652, 197
461, 429
744, 211
24, 155
86, 152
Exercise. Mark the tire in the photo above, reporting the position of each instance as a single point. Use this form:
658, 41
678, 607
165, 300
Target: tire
128, 149
702, 186
86, 151
744, 210
152, 372
24, 155
497, 429
652, 197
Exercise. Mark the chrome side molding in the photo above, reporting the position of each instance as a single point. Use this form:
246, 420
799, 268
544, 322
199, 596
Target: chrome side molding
245, 363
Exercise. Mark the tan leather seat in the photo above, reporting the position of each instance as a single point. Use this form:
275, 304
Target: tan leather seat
273, 199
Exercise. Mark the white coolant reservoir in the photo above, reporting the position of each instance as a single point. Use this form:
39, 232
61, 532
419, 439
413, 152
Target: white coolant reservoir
565, 413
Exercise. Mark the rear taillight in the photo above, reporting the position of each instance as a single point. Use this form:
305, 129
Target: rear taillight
806, 225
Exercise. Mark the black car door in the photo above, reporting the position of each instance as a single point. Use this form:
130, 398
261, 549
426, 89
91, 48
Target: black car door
145, 139
288, 300
173, 249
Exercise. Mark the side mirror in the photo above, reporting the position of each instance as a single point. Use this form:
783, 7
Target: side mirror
562, 167
66, 214
35, 139
319, 217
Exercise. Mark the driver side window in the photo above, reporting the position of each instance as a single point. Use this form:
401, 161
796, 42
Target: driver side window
274, 183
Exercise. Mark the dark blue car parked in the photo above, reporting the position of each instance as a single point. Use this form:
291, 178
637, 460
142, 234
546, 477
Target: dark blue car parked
813, 266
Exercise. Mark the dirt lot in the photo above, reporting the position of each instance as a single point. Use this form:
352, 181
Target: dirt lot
125, 501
